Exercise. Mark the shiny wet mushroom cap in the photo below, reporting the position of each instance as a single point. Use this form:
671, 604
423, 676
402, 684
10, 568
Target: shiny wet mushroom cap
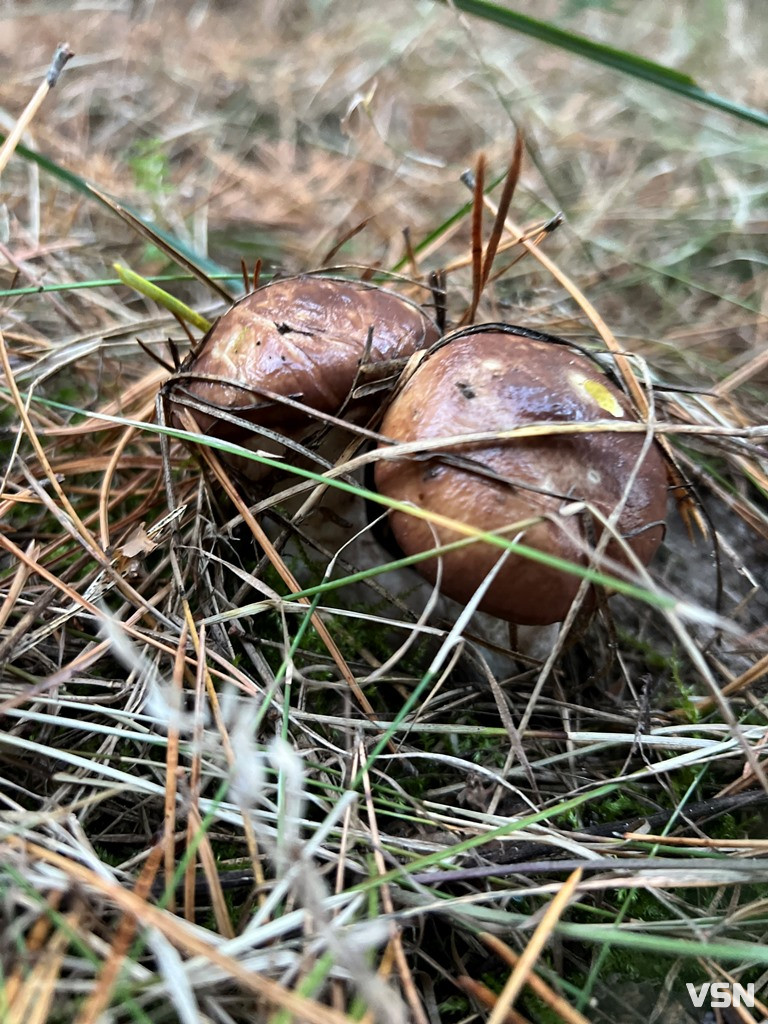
494, 378
301, 338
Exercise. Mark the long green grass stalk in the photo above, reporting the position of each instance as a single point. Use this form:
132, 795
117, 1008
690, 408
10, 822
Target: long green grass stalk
625, 61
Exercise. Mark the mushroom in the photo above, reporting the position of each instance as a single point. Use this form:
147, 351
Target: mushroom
299, 338
491, 378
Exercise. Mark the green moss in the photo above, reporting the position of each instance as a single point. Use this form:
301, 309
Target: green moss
537, 1011
454, 1008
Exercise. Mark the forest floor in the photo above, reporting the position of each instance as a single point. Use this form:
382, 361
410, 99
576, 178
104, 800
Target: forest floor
220, 803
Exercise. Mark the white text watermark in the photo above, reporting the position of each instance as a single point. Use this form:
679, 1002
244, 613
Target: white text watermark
721, 993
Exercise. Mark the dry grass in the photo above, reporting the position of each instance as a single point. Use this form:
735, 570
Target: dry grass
218, 803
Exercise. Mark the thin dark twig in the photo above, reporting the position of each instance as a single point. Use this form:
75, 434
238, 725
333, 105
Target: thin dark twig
510, 183
343, 240
155, 356
410, 252
477, 239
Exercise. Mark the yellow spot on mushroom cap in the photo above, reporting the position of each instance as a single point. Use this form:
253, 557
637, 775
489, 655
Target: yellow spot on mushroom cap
598, 393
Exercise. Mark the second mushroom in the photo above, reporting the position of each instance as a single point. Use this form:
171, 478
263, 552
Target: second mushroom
552, 492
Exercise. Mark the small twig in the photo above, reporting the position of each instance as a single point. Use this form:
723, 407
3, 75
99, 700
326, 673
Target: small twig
60, 58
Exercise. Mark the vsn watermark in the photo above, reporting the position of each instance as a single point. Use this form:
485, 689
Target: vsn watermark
721, 994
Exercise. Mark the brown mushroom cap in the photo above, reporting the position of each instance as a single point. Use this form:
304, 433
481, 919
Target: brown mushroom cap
301, 338
487, 379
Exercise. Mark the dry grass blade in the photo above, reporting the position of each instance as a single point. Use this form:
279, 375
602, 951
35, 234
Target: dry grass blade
487, 997
99, 999
395, 947
181, 935
21, 409
19, 579
198, 641
732, 981
197, 834
35, 999
197, 837
342, 241
38, 934
745, 373
36, 568
106, 485
172, 775
748, 678
537, 985
701, 842
532, 951
115, 571
536, 233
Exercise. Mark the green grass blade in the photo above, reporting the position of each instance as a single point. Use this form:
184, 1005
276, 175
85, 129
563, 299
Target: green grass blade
620, 60
105, 282
162, 297
730, 950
